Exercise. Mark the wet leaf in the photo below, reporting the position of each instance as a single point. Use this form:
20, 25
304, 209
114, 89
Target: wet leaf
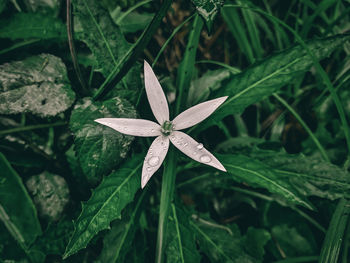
98, 147
38, 85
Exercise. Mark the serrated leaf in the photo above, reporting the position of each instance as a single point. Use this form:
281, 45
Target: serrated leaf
208, 9
257, 174
118, 241
221, 243
181, 245
38, 85
101, 35
310, 176
32, 25
266, 77
17, 211
98, 147
106, 203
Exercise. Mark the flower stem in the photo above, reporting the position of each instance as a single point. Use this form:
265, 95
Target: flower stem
168, 186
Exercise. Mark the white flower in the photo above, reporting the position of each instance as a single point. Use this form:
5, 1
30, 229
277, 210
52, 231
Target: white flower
166, 130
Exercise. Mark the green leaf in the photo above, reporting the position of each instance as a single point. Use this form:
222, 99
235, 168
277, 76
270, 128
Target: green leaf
208, 9
32, 25
3, 4
258, 174
119, 240
101, 35
310, 176
221, 243
336, 230
291, 241
17, 211
98, 147
255, 241
181, 246
38, 85
210, 81
266, 77
106, 203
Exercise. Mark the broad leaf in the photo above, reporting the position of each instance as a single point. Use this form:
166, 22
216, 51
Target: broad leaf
17, 211
106, 203
181, 246
100, 148
38, 85
255, 241
225, 243
101, 35
266, 77
208, 9
258, 174
310, 176
119, 239
32, 25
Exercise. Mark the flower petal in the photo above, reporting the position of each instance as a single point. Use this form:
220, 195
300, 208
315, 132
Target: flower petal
194, 150
135, 127
155, 95
197, 113
154, 158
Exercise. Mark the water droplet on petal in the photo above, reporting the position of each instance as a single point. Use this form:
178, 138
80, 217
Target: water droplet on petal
152, 130
185, 144
194, 153
205, 158
149, 169
200, 146
153, 161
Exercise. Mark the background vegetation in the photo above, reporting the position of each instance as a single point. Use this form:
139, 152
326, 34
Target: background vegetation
70, 188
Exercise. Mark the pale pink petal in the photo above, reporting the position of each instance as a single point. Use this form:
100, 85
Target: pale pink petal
135, 127
197, 113
154, 158
155, 95
194, 150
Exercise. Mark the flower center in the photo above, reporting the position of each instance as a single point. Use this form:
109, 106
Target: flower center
167, 128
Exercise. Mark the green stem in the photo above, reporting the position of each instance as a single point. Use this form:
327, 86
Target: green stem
185, 70
32, 127
305, 126
168, 186
18, 45
131, 9
127, 61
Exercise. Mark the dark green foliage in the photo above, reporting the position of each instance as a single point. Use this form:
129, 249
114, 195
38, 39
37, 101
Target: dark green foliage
32, 25
101, 35
20, 219
181, 246
106, 203
99, 148
70, 188
38, 85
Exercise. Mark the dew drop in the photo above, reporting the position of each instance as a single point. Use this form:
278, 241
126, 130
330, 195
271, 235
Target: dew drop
152, 130
185, 144
200, 146
194, 153
153, 161
149, 169
205, 158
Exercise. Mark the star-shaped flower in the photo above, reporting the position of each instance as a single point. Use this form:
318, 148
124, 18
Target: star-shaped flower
166, 130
